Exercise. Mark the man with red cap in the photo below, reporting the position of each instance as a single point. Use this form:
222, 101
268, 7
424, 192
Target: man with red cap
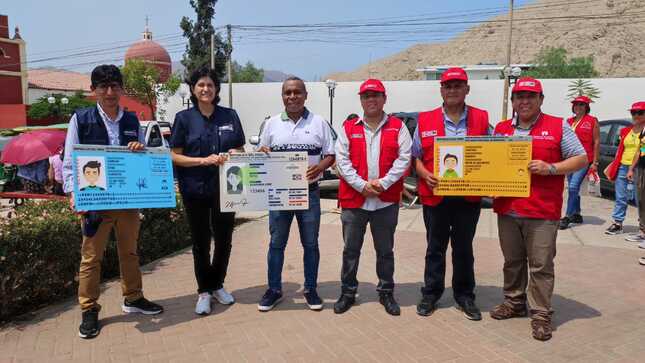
372, 158
588, 132
636, 173
448, 218
528, 227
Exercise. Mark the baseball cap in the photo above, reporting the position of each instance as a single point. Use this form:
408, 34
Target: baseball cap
454, 74
527, 84
638, 106
372, 85
582, 99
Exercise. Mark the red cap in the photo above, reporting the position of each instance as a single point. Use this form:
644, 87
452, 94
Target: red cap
454, 74
527, 84
582, 99
372, 85
638, 106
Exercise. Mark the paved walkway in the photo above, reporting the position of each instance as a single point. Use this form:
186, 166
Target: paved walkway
599, 302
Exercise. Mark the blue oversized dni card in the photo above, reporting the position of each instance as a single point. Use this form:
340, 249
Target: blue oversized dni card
112, 177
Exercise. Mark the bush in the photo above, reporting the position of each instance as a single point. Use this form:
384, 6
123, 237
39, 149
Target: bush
40, 252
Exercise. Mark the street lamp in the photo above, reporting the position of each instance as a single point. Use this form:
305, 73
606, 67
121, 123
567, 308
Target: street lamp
58, 112
184, 101
331, 86
512, 75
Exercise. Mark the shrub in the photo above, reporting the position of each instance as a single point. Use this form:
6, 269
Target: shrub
40, 252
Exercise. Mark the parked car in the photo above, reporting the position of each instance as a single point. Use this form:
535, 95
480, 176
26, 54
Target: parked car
609, 141
155, 136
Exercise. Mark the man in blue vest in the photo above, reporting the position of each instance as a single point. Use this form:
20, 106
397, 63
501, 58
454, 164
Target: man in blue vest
106, 124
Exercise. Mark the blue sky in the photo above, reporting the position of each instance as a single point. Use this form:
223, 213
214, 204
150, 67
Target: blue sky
103, 29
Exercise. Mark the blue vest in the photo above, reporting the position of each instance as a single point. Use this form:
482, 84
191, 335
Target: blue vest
92, 130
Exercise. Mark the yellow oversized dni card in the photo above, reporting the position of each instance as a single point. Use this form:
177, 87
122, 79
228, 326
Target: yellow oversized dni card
495, 166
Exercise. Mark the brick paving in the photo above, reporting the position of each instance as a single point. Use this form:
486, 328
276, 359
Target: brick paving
599, 302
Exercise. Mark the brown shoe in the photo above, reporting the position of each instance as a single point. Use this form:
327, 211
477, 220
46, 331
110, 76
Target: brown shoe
505, 311
542, 329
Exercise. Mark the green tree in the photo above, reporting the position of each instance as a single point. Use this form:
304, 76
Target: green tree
247, 73
553, 62
141, 81
42, 109
198, 33
583, 87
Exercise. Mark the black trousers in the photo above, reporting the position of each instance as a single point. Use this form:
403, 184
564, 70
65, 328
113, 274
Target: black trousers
455, 220
208, 223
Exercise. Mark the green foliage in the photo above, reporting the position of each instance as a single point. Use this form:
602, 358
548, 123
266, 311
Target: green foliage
198, 33
553, 63
247, 73
582, 87
40, 252
141, 81
42, 109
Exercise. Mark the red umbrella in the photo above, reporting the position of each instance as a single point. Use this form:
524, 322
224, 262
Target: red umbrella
32, 146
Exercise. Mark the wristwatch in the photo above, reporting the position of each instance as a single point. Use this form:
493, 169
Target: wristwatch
552, 169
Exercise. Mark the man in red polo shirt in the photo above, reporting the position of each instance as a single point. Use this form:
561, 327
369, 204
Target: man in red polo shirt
372, 157
528, 227
451, 218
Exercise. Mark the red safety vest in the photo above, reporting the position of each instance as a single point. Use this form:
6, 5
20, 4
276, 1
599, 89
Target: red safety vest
431, 125
350, 197
584, 130
545, 200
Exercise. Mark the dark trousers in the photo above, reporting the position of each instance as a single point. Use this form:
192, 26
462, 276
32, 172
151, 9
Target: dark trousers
382, 225
208, 223
455, 220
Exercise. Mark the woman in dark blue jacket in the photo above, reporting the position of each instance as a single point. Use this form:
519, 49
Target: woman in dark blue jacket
201, 137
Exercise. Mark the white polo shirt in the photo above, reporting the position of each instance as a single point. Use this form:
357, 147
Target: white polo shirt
311, 134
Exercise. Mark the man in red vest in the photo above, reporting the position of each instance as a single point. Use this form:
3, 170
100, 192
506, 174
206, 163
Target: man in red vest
528, 227
372, 157
450, 218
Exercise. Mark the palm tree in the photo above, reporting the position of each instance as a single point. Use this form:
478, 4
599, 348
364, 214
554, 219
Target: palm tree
583, 87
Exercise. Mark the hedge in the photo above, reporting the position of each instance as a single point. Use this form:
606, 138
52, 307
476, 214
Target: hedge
40, 252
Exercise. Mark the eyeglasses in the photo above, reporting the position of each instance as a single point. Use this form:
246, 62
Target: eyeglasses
638, 112
104, 86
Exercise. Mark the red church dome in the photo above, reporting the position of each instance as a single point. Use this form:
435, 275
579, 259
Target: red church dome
151, 52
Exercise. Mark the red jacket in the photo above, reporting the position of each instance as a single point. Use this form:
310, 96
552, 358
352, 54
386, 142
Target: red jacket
611, 172
584, 131
431, 125
349, 197
545, 200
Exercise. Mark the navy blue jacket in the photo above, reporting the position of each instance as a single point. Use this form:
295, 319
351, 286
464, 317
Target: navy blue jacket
201, 136
92, 130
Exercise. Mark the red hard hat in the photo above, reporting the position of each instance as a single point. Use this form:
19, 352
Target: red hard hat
638, 106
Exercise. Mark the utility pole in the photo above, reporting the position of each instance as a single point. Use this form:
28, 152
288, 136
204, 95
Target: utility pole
213, 50
229, 66
507, 69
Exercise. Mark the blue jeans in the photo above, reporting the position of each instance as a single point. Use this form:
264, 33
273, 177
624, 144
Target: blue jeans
309, 226
575, 181
623, 196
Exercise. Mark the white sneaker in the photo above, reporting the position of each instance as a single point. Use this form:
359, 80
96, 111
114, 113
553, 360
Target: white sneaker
223, 297
641, 245
203, 306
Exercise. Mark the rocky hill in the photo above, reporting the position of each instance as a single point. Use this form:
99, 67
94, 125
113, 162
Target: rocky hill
610, 30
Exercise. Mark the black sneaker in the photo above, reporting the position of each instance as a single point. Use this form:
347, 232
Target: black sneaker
615, 228
89, 327
565, 222
143, 306
313, 300
470, 310
269, 300
345, 301
427, 305
576, 218
391, 306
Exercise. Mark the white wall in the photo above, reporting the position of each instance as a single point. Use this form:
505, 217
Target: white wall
33, 94
255, 101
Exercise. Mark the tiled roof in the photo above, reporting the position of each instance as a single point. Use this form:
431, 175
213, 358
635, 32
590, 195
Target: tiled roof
61, 80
